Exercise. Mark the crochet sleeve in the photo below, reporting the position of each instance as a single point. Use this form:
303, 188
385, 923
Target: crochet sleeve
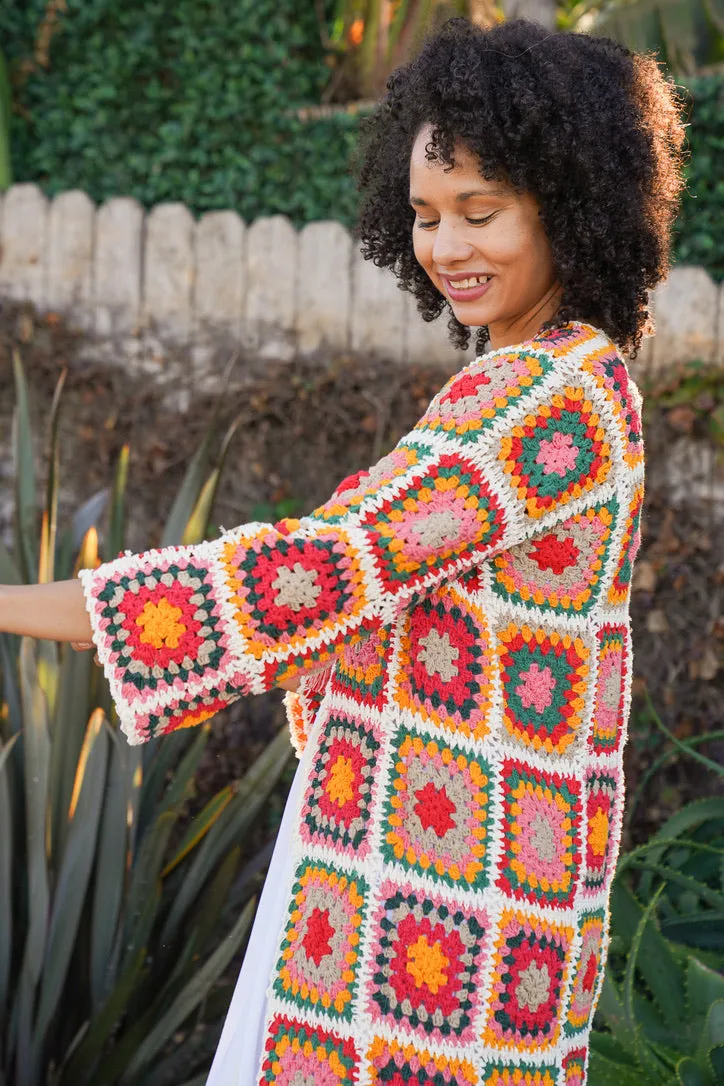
501, 451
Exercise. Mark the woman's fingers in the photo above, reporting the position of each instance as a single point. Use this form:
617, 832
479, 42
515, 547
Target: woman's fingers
81, 646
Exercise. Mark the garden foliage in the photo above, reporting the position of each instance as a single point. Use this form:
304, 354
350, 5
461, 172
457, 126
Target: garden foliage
660, 1017
118, 915
197, 101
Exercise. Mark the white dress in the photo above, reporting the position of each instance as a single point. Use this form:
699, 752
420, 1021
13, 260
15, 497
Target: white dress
238, 1055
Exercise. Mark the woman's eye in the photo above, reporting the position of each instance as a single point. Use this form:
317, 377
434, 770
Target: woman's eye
428, 224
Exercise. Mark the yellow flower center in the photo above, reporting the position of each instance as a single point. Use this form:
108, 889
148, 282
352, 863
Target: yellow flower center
160, 623
341, 780
427, 964
598, 832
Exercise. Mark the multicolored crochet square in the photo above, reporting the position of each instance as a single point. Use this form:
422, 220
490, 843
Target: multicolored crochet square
586, 971
559, 571
610, 374
352, 491
574, 1068
519, 1074
286, 589
297, 1054
163, 628
545, 676
362, 669
609, 704
436, 820
541, 830
187, 712
557, 453
618, 593
427, 520
318, 961
337, 805
393, 1063
602, 801
529, 976
445, 667
470, 399
426, 961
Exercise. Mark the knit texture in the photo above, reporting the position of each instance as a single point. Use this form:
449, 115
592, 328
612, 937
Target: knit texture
459, 619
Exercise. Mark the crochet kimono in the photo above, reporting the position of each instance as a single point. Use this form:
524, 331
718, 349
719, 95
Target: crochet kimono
459, 616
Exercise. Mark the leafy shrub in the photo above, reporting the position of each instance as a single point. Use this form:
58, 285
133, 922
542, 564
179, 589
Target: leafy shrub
111, 906
660, 1017
191, 100
699, 235
197, 101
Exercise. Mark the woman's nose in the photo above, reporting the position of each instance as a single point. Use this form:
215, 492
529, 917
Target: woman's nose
450, 245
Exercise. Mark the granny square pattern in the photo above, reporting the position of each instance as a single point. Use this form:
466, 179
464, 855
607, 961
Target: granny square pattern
421, 526
427, 956
286, 588
317, 967
162, 626
187, 712
296, 1053
436, 821
610, 374
470, 400
559, 571
451, 630
395, 1063
585, 972
545, 675
500, 1073
574, 1068
557, 453
630, 543
602, 801
338, 802
362, 669
532, 960
352, 491
612, 672
445, 668
541, 824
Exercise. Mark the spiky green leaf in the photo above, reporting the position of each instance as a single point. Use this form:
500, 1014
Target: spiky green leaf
190, 997
74, 874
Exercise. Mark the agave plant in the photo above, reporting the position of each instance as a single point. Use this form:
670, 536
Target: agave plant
112, 906
662, 1002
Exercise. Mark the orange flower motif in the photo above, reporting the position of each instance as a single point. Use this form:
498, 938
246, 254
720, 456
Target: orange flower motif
161, 626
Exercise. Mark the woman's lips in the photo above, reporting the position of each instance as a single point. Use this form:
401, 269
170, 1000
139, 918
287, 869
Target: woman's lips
469, 294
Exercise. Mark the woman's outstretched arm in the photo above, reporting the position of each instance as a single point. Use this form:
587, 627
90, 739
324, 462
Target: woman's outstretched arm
54, 612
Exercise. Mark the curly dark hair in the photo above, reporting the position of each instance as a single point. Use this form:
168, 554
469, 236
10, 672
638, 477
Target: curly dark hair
592, 131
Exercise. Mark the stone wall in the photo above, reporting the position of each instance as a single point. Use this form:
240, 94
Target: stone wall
140, 282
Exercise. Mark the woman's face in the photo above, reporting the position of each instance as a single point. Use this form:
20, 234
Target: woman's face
483, 245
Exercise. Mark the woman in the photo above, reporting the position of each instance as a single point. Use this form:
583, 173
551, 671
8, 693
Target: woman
452, 626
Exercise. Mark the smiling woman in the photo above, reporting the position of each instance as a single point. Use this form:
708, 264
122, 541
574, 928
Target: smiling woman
452, 625
479, 240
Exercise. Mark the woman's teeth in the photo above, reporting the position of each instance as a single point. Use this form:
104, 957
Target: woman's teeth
465, 284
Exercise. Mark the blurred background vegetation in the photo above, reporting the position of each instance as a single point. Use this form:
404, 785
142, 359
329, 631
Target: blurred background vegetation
255, 106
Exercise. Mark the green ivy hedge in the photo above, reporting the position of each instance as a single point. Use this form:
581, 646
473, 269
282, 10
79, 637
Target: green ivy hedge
195, 100
699, 236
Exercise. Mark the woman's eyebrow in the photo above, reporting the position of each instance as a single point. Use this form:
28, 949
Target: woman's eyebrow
498, 190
